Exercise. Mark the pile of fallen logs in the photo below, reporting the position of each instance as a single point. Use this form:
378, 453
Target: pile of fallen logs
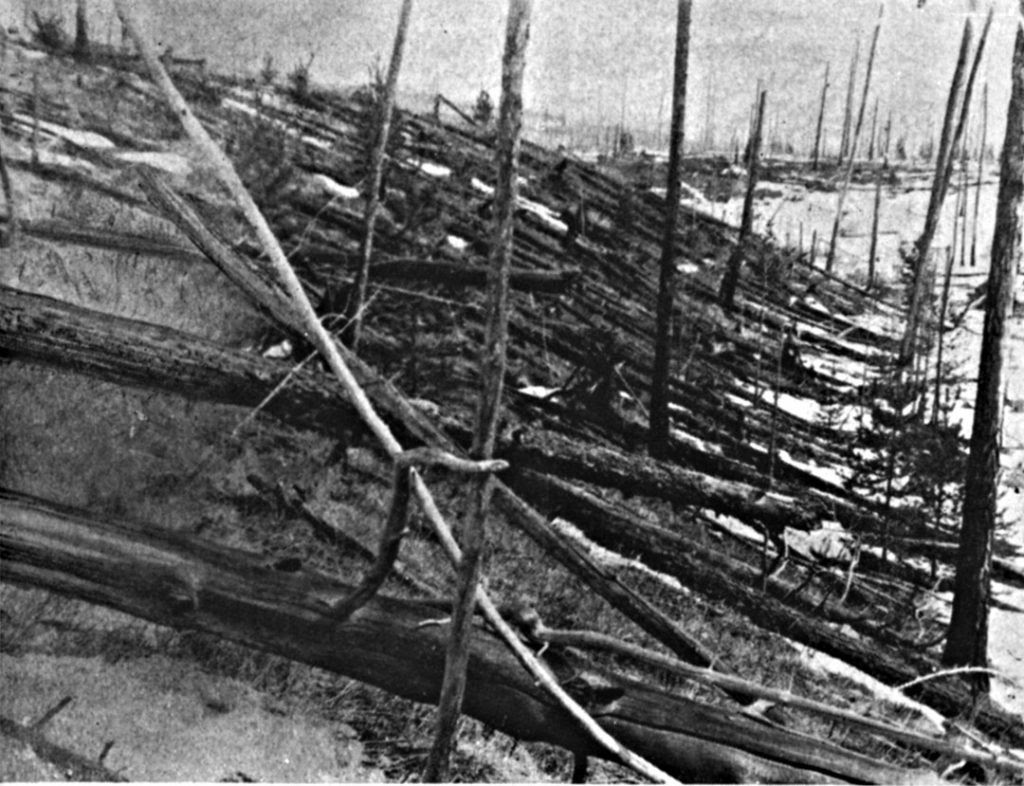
581, 328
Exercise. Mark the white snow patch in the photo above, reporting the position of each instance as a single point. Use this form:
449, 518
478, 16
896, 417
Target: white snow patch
76, 137
456, 242
544, 213
172, 163
279, 351
831, 542
333, 188
688, 268
695, 442
538, 391
238, 106
603, 556
316, 141
806, 409
836, 475
431, 168
481, 186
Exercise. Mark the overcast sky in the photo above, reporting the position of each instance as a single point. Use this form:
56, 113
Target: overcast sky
599, 59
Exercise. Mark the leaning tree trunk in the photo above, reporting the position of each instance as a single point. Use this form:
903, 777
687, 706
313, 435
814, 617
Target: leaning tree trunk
377, 160
967, 642
657, 439
492, 374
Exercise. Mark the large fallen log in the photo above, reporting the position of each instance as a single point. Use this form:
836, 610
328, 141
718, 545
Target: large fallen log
137, 353
636, 474
50, 331
183, 582
662, 549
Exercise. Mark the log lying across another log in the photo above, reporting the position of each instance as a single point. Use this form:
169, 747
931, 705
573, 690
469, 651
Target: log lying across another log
398, 645
49, 331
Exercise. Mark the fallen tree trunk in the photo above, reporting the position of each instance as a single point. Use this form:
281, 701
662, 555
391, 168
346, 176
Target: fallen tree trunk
636, 474
664, 550
181, 581
137, 353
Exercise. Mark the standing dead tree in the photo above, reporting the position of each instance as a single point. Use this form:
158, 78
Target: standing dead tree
658, 427
731, 279
492, 374
377, 155
831, 258
948, 143
297, 311
981, 176
844, 142
967, 640
821, 118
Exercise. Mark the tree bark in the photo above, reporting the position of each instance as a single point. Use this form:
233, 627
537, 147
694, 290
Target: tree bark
184, 582
81, 30
938, 195
731, 279
377, 156
831, 258
821, 119
492, 378
658, 427
967, 642
844, 142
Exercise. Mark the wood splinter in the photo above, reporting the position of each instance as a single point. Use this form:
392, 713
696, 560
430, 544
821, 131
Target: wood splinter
398, 517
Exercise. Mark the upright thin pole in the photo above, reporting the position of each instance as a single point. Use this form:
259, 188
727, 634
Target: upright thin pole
967, 640
874, 128
848, 111
727, 291
873, 252
831, 258
821, 118
492, 374
658, 427
377, 156
981, 175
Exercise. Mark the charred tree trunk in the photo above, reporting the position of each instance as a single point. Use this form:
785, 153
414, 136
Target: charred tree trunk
967, 642
492, 375
731, 279
658, 433
981, 176
377, 156
873, 250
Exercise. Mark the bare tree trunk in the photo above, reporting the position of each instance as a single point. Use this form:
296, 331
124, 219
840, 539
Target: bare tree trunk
377, 156
967, 641
7, 238
844, 142
874, 131
981, 175
81, 31
873, 251
821, 118
492, 373
943, 170
658, 429
831, 258
727, 291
